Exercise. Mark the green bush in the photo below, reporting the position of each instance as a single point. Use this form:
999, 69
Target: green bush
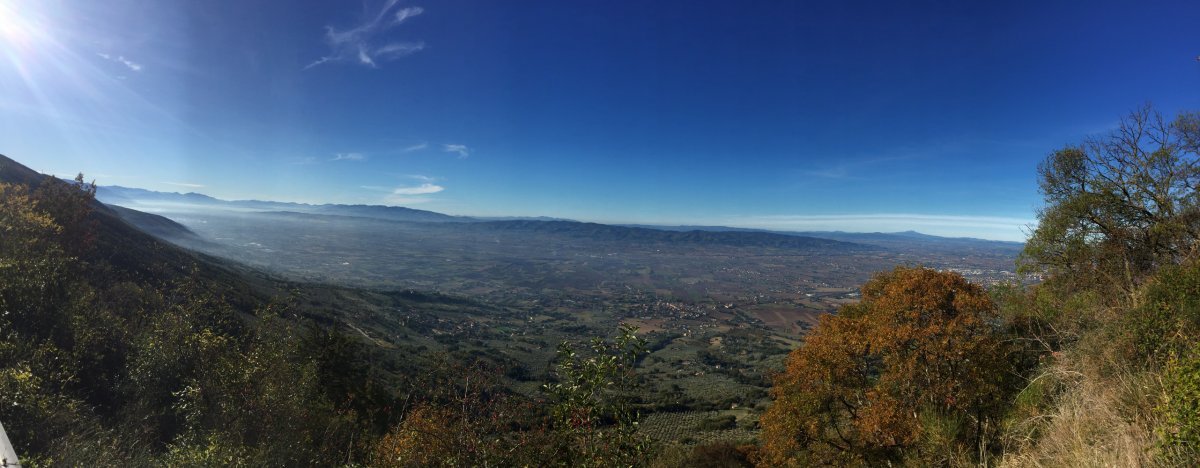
718, 423
1167, 320
719, 455
1180, 409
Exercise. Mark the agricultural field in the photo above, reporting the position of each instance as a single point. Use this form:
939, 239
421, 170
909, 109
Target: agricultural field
702, 427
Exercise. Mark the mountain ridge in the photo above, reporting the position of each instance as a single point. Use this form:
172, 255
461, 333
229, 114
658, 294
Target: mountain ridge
597, 231
115, 194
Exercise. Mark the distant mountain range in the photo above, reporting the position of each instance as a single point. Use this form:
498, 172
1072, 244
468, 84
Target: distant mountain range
606, 232
697, 234
841, 235
146, 199
912, 240
897, 241
135, 197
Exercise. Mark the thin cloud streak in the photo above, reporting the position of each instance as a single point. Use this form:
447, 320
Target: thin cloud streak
422, 178
410, 195
423, 189
365, 44
349, 157
404, 14
130, 64
396, 50
416, 147
462, 150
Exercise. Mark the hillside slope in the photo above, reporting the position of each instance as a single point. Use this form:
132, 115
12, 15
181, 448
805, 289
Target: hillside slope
122, 347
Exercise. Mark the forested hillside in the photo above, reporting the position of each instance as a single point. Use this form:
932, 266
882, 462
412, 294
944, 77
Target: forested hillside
118, 349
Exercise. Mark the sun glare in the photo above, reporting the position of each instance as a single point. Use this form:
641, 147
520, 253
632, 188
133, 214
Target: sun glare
17, 30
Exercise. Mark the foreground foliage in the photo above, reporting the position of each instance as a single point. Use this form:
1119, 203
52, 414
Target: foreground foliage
916, 370
1118, 312
103, 361
1121, 205
589, 421
1095, 365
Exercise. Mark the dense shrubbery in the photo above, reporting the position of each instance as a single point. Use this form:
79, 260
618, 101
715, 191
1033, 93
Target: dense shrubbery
475, 421
159, 370
1167, 321
1180, 408
1117, 244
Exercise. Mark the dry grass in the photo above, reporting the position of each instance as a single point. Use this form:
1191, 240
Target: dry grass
1102, 415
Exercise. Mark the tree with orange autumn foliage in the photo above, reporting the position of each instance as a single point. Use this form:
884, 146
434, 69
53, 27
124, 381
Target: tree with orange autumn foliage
587, 419
468, 418
914, 373
425, 438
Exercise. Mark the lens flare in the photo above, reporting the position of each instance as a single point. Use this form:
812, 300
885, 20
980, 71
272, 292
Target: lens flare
19, 28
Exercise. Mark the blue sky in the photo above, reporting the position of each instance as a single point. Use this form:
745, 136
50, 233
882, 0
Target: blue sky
787, 115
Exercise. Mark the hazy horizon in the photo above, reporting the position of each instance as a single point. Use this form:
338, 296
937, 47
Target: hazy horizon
868, 224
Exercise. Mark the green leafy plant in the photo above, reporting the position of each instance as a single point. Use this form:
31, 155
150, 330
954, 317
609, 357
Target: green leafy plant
1180, 409
592, 416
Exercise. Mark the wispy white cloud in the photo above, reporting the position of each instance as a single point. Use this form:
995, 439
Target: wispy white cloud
349, 157
137, 67
423, 189
413, 194
422, 178
416, 147
319, 61
462, 150
408, 194
367, 43
396, 50
185, 184
404, 14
